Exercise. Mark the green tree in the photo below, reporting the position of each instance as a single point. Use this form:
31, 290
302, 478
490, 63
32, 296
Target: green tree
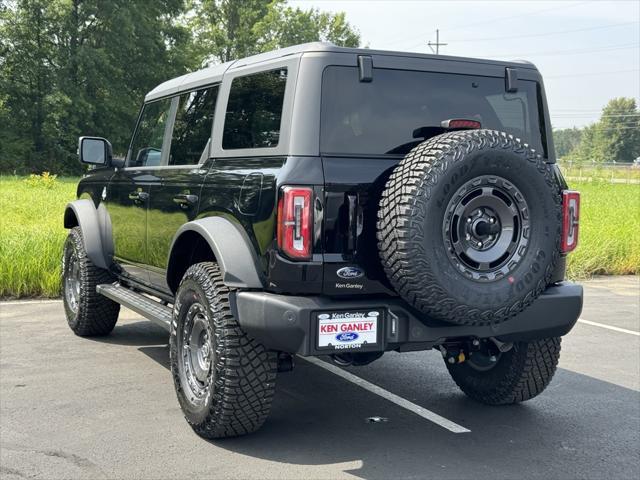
615, 138
228, 29
27, 58
287, 26
566, 140
72, 67
619, 128
82, 67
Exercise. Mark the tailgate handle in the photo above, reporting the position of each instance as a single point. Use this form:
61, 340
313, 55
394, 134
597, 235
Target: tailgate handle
355, 222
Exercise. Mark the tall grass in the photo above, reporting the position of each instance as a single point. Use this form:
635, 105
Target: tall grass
32, 235
609, 230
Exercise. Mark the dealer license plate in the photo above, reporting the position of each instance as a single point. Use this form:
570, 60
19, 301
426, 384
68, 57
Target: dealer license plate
348, 330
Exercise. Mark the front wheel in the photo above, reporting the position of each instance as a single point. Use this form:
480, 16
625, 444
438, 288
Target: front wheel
88, 313
520, 374
224, 380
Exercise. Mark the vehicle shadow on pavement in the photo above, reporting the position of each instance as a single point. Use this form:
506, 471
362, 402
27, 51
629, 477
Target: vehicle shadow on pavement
320, 419
139, 333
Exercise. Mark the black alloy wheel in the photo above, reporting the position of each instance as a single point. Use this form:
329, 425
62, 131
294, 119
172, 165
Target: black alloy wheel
486, 228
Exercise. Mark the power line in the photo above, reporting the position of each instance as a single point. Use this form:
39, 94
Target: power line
545, 34
609, 48
594, 109
611, 129
589, 74
535, 12
484, 22
604, 115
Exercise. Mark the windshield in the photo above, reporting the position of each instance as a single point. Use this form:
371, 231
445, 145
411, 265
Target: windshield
400, 108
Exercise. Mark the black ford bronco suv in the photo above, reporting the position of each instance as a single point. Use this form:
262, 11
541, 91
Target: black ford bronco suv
327, 201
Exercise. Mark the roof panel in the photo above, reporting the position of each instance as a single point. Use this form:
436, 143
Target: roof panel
215, 73
189, 81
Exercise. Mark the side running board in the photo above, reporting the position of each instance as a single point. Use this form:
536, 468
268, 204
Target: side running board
155, 311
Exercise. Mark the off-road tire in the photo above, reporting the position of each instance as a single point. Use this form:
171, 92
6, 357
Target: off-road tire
411, 220
519, 375
95, 314
241, 379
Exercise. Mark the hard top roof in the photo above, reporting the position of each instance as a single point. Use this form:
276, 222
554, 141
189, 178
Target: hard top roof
214, 73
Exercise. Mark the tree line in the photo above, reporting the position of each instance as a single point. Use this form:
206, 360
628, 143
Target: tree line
614, 138
82, 67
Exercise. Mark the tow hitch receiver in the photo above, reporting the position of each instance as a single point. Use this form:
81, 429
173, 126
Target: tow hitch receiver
459, 351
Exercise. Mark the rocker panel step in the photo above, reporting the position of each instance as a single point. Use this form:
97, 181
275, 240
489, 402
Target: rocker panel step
148, 308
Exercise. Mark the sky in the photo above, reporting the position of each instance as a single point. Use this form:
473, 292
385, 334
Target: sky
587, 51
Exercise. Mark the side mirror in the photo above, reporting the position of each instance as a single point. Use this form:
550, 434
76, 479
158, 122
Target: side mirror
94, 151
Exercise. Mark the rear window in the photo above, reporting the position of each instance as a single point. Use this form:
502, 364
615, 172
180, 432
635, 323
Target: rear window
400, 108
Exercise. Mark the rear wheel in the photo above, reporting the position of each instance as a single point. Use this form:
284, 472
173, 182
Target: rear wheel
88, 313
224, 380
519, 374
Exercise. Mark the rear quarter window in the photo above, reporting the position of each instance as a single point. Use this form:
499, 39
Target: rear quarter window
254, 110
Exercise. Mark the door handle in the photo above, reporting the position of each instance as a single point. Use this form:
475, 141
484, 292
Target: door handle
139, 197
185, 200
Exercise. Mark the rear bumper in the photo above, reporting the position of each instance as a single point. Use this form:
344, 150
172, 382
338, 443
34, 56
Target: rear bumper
289, 323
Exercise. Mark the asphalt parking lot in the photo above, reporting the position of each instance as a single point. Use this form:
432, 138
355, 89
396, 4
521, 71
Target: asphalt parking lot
105, 408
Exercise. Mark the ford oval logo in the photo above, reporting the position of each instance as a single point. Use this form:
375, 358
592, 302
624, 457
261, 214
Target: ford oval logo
347, 337
350, 272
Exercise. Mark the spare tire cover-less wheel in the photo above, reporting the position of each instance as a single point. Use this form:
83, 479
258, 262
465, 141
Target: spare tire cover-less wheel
469, 226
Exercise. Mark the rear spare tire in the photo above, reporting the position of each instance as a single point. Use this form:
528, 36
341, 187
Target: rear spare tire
469, 226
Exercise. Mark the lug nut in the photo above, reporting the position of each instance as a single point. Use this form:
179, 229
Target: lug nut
493, 359
479, 244
476, 342
468, 237
468, 219
492, 220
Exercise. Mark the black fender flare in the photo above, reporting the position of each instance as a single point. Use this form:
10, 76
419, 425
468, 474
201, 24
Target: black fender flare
231, 247
95, 225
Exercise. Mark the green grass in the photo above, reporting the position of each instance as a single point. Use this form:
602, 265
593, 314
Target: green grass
31, 233
609, 241
31, 236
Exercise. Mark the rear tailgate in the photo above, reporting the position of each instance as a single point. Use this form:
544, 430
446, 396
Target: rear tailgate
368, 126
353, 187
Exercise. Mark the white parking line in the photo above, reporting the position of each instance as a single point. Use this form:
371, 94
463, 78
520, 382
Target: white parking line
28, 302
609, 327
392, 397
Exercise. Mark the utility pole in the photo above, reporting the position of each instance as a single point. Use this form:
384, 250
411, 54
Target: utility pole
436, 44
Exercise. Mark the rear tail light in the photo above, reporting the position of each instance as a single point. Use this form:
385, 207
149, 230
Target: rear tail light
570, 220
295, 222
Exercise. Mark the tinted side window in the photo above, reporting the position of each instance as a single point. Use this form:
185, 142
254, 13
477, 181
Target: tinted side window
192, 128
146, 147
254, 110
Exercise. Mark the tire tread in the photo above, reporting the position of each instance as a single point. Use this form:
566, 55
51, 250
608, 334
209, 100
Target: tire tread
245, 371
404, 205
97, 315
